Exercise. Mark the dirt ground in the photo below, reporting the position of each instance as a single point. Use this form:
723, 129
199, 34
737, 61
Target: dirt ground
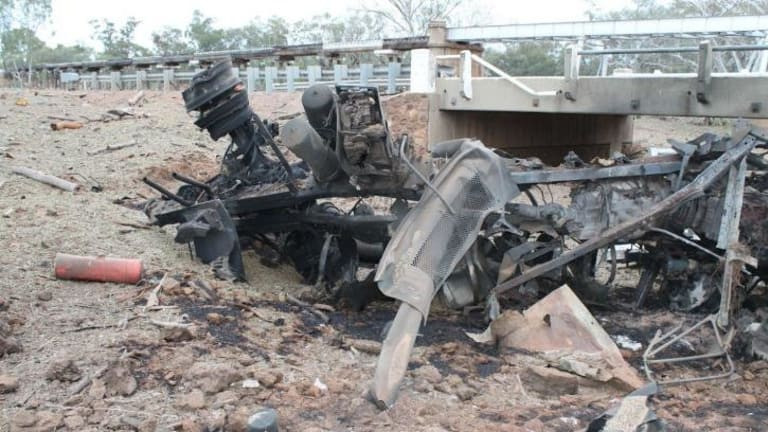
94, 357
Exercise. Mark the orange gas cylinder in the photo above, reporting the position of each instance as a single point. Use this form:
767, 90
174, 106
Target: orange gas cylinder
100, 269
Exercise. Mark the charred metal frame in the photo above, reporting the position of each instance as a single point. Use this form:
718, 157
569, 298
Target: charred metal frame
347, 151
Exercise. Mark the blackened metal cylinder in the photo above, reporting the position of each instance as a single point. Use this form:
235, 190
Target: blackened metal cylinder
306, 143
210, 84
319, 106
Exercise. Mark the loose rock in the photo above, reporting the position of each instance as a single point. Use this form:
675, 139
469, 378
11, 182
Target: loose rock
214, 377
268, 379
64, 371
23, 419
191, 425
238, 420
119, 379
549, 381
422, 386
428, 373
194, 400
8, 384
48, 421
74, 422
214, 318
177, 334
97, 390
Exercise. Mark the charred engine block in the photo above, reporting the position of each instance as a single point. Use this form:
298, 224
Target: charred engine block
344, 135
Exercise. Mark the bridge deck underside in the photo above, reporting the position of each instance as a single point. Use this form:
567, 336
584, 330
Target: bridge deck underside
548, 136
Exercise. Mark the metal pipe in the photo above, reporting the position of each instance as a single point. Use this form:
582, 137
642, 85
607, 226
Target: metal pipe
193, 182
418, 173
165, 192
688, 242
662, 50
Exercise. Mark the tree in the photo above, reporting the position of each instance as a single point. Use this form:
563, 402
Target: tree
719, 7
118, 42
63, 54
528, 59
171, 41
203, 35
412, 17
19, 44
259, 34
27, 14
276, 33
19, 22
681, 62
356, 27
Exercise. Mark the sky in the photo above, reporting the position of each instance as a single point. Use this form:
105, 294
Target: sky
69, 18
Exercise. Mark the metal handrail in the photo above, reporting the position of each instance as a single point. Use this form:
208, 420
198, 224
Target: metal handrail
662, 50
466, 57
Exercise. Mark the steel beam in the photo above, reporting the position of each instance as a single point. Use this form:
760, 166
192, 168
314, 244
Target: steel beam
675, 27
559, 175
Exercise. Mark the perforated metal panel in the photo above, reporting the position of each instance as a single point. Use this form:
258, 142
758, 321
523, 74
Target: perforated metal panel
433, 238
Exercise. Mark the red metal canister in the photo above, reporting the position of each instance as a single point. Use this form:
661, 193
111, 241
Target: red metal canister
100, 269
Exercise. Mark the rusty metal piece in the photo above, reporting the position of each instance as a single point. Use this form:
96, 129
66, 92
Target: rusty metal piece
729, 237
695, 188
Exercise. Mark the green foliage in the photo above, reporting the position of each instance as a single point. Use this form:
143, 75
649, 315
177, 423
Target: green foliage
117, 42
203, 35
327, 28
29, 14
19, 21
545, 58
63, 54
528, 59
18, 46
170, 41
259, 34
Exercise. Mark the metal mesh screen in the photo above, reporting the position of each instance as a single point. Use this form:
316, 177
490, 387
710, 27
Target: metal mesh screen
433, 238
445, 244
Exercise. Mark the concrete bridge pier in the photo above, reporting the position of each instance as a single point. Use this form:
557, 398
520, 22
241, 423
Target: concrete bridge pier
521, 126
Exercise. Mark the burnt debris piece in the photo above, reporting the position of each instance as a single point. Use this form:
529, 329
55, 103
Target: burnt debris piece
219, 97
471, 224
345, 150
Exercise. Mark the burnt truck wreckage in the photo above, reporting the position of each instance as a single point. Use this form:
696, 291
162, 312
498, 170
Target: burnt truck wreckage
468, 224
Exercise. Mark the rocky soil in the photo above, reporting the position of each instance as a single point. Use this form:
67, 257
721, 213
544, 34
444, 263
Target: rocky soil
200, 354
